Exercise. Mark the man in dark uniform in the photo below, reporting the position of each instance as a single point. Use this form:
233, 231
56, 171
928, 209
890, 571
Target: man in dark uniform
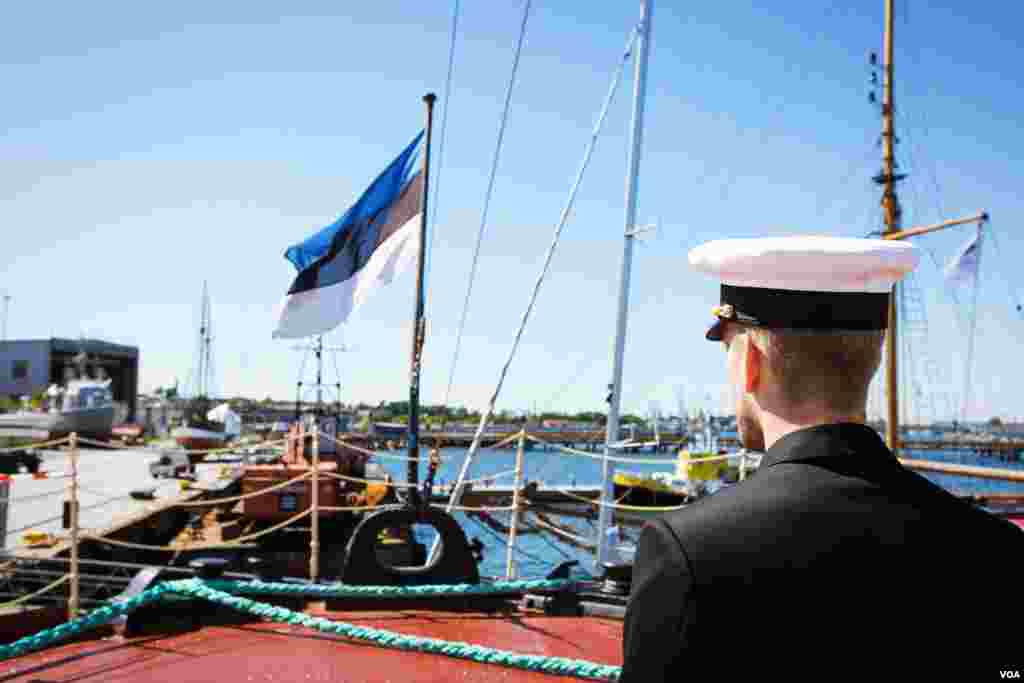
832, 558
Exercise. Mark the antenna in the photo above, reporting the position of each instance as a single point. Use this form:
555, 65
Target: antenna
316, 345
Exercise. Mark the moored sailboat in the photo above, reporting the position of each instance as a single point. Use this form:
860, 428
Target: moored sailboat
202, 428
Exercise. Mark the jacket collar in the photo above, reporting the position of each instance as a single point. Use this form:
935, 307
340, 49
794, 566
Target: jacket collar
827, 442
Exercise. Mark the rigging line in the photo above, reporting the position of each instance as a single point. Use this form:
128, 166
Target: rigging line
563, 219
937, 205
440, 147
1013, 294
504, 541
487, 201
970, 339
337, 372
556, 547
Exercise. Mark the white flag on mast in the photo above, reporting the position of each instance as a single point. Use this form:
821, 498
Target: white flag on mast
964, 267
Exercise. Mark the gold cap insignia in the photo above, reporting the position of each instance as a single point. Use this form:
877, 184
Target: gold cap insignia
725, 311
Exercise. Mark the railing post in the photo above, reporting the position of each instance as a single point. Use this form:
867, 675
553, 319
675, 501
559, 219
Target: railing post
314, 540
5, 496
74, 600
517, 485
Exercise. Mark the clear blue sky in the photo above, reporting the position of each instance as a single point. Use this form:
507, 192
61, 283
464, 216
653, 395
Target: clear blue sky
146, 148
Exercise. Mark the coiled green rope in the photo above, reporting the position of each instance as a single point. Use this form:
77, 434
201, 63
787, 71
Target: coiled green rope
216, 592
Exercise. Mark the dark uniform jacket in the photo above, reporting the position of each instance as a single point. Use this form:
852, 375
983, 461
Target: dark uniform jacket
832, 558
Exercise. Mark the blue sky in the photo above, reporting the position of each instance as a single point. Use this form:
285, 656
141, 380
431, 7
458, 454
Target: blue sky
146, 148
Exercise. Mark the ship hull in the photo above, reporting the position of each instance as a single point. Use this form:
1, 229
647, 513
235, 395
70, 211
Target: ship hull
642, 496
195, 439
86, 421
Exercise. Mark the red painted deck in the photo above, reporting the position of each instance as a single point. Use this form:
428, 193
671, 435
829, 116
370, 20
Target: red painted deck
266, 651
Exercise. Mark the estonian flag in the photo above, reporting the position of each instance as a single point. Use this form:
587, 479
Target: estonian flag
340, 266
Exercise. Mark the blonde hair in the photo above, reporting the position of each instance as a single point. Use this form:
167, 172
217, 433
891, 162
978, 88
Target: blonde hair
833, 369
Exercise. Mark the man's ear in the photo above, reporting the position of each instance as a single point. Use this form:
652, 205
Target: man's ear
753, 365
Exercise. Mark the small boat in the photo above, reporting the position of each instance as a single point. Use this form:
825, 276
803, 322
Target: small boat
85, 406
128, 433
143, 494
38, 539
694, 477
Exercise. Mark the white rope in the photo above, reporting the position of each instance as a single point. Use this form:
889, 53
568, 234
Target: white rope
393, 484
244, 496
241, 540
489, 477
34, 446
563, 219
368, 452
209, 451
636, 461
25, 598
487, 202
620, 506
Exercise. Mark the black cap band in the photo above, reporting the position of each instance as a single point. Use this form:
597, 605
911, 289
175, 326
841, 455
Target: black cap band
793, 309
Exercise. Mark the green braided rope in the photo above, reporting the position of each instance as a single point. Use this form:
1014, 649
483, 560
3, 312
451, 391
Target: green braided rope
212, 592
97, 617
551, 665
435, 591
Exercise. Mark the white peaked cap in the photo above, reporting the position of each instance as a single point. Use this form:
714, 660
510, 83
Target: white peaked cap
809, 263
805, 281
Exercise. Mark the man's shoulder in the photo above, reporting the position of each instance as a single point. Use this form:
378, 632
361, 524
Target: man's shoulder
785, 496
763, 496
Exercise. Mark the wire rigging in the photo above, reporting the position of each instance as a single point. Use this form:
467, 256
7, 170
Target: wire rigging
1013, 293
440, 147
548, 256
487, 201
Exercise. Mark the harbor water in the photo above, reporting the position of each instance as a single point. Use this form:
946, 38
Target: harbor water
108, 477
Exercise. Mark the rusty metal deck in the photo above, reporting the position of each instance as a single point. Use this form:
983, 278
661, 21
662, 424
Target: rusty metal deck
267, 651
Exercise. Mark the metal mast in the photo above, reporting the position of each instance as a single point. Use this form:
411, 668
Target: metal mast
615, 388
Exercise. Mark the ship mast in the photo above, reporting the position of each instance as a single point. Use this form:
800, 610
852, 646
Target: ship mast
891, 205
887, 178
204, 371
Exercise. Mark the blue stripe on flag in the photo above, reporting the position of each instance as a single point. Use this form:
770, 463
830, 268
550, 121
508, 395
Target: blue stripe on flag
356, 226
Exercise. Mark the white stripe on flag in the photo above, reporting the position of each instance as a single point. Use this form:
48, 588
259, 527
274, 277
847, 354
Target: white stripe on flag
318, 311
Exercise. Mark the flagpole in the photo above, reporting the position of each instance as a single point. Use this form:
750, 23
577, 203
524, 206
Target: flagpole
418, 326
